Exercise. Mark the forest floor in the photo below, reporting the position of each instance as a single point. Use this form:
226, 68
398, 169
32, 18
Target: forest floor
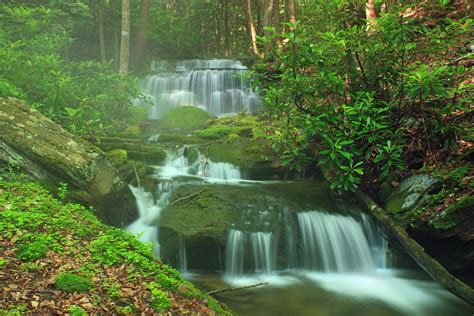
56, 258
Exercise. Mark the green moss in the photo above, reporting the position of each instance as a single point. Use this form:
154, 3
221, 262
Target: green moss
32, 251
69, 282
455, 214
119, 157
76, 311
160, 300
186, 118
215, 132
132, 131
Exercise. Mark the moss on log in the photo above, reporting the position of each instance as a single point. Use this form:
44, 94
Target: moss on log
430, 265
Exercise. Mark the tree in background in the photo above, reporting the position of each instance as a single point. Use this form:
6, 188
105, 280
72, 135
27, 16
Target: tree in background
142, 33
125, 38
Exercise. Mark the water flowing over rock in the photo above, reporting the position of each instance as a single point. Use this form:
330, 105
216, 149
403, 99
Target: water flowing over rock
220, 86
43, 150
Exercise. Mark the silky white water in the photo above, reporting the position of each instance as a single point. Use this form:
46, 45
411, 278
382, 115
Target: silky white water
220, 86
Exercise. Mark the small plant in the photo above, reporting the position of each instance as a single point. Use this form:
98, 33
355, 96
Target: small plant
69, 282
76, 311
62, 191
31, 252
160, 300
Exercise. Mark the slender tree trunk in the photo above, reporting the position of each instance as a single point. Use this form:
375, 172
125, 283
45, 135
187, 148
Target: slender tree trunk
125, 38
291, 11
276, 15
100, 6
370, 15
142, 36
251, 26
225, 9
115, 34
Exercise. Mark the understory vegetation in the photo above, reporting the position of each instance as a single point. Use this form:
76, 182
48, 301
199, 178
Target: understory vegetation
57, 256
367, 103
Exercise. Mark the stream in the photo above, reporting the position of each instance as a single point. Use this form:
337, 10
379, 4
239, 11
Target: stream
317, 254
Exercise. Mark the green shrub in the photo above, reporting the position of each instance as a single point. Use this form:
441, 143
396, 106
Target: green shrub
76, 311
32, 251
69, 282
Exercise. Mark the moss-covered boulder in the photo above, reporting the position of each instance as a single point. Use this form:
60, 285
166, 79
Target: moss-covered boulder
185, 118
40, 148
403, 201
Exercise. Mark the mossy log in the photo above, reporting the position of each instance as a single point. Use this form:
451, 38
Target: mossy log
430, 265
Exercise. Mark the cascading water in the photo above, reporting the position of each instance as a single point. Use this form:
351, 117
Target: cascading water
333, 242
264, 251
234, 263
220, 86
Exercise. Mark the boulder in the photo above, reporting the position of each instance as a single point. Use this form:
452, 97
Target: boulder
46, 152
409, 194
184, 118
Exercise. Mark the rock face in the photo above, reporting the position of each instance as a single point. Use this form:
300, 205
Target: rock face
43, 150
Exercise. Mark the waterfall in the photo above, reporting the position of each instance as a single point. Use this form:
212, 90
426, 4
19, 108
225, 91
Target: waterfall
182, 256
377, 241
145, 227
234, 257
333, 242
264, 251
219, 86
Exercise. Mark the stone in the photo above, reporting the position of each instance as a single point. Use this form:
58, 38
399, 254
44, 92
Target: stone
184, 118
410, 192
118, 157
44, 151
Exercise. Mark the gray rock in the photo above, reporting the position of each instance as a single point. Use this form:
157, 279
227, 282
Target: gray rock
46, 152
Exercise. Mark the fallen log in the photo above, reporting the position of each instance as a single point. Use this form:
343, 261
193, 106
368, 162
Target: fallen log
228, 289
425, 261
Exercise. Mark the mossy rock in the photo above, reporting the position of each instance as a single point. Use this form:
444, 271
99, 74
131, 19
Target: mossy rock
32, 251
215, 132
119, 157
409, 193
458, 218
69, 282
186, 118
132, 132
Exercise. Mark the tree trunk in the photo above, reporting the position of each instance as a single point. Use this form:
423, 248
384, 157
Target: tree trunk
141, 42
115, 34
125, 38
291, 11
100, 6
251, 26
430, 265
225, 8
276, 15
370, 13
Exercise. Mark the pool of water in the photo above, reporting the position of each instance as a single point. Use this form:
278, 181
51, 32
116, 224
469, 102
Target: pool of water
386, 292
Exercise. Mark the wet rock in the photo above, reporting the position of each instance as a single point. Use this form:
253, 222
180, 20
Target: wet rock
184, 118
44, 151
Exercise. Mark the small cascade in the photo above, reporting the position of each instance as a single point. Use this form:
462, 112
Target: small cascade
234, 257
145, 227
264, 251
377, 241
177, 165
333, 242
182, 256
219, 86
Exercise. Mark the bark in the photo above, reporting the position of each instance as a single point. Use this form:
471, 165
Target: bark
251, 27
430, 265
370, 15
276, 15
225, 8
100, 6
291, 11
125, 38
142, 37
115, 34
